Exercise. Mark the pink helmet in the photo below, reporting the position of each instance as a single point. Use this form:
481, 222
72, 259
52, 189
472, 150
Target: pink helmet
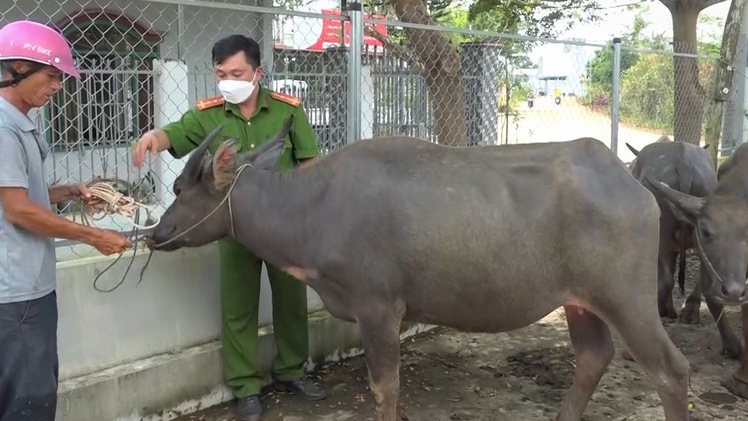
29, 40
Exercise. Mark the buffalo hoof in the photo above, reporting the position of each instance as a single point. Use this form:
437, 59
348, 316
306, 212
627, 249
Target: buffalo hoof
732, 348
668, 313
691, 314
736, 387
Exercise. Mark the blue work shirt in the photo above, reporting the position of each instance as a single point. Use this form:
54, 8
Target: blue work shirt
27, 260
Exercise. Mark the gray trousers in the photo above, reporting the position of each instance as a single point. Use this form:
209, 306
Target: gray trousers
28, 360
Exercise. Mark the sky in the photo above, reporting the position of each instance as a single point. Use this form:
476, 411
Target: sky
619, 20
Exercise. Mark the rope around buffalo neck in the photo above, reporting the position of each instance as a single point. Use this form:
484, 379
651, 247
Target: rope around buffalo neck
226, 198
116, 203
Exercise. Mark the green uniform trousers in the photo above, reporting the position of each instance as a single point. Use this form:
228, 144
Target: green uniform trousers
240, 296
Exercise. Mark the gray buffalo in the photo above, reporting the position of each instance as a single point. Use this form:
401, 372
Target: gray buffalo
720, 221
633, 150
481, 239
689, 169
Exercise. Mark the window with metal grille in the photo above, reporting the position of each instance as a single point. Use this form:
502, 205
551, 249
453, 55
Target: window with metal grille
112, 104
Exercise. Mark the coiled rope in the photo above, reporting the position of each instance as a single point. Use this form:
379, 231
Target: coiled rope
115, 203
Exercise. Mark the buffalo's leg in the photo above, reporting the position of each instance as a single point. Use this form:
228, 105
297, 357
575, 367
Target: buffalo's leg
646, 339
593, 348
691, 313
737, 384
730, 343
665, 284
380, 337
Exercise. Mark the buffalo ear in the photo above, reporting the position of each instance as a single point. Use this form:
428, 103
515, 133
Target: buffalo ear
266, 156
224, 164
194, 166
268, 160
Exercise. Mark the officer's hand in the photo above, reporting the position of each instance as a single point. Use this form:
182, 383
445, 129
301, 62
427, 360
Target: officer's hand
149, 142
110, 242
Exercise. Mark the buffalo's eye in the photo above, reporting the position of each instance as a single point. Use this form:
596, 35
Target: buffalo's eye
707, 232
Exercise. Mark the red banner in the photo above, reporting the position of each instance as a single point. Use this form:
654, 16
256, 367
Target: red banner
330, 35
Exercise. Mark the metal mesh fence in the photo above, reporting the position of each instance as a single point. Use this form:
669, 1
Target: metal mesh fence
147, 62
144, 63
664, 94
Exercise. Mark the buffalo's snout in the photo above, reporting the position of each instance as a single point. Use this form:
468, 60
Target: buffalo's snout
159, 238
733, 292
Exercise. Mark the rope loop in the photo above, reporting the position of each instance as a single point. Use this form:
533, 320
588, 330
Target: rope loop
115, 203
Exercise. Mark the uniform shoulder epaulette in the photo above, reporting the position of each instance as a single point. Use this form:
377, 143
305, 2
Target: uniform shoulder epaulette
210, 102
288, 99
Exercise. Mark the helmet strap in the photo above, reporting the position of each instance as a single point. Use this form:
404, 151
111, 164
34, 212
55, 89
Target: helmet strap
16, 77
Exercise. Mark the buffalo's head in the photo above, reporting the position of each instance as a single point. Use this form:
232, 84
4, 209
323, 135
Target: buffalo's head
199, 214
721, 230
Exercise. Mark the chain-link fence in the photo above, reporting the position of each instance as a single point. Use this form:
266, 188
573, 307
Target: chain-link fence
147, 62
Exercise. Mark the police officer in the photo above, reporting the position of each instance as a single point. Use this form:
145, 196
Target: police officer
252, 114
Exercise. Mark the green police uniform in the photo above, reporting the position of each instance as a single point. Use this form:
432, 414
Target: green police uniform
240, 269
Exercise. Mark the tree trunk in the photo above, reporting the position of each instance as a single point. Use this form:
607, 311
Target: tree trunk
688, 98
723, 76
441, 66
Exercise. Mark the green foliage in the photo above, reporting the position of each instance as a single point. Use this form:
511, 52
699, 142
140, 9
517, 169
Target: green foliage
540, 18
647, 92
710, 34
647, 80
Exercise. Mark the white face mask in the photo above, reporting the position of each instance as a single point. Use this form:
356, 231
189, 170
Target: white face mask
236, 91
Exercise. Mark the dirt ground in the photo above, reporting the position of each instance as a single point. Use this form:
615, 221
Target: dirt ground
522, 375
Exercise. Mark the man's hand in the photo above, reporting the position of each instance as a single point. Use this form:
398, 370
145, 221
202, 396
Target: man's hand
80, 192
20, 211
110, 242
154, 141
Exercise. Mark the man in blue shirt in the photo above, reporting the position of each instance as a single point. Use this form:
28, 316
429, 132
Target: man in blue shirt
33, 58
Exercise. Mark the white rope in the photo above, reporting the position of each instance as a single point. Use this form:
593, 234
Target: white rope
115, 203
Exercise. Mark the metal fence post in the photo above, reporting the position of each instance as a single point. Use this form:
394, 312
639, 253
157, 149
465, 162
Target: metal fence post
740, 101
355, 15
615, 100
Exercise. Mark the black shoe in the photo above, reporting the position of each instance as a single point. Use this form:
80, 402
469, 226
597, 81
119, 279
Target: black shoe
304, 387
249, 408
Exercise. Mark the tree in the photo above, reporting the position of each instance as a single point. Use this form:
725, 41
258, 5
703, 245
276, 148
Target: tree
723, 76
689, 97
600, 68
647, 88
435, 55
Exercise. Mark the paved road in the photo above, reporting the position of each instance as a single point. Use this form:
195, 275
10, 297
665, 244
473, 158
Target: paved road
548, 122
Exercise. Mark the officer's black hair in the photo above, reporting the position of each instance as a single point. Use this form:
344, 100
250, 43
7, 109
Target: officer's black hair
232, 44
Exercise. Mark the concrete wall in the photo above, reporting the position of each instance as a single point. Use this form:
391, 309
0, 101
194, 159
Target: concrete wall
151, 351
176, 306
